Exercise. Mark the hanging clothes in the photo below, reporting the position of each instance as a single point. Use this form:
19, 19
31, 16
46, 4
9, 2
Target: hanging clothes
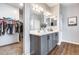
17, 27
14, 23
21, 27
0, 27
10, 27
21, 31
4, 27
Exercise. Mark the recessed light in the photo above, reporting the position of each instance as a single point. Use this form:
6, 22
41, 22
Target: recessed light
21, 4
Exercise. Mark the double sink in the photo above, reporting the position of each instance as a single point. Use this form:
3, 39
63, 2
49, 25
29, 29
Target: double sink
43, 32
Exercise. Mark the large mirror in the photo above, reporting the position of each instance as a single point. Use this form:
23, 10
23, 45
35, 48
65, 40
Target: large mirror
41, 19
53, 22
36, 20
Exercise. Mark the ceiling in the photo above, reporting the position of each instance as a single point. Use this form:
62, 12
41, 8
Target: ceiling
51, 4
18, 5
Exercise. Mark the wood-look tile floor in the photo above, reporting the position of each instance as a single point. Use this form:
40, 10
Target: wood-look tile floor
63, 49
13, 49
66, 49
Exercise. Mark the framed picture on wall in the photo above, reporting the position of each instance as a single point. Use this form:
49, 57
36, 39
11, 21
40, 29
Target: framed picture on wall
72, 21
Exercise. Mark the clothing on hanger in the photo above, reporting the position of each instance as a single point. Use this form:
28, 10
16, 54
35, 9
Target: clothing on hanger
17, 27
21, 27
10, 28
4, 26
0, 27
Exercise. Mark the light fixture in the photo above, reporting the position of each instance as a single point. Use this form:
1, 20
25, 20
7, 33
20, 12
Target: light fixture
21, 4
37, 8
46, 13
41, 9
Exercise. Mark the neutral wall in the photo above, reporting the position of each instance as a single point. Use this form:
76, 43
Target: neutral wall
70, 33
7, 10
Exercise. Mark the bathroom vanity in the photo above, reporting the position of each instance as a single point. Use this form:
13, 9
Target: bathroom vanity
43, 32
42, 43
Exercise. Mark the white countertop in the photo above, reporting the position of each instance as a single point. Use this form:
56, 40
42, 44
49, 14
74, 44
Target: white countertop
40, 33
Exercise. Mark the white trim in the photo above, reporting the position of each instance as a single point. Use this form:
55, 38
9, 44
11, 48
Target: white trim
70, 42
59, 43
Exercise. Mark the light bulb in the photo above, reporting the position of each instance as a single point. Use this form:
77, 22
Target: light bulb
21, 4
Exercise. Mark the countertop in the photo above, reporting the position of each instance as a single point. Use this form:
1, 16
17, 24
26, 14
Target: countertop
40, 33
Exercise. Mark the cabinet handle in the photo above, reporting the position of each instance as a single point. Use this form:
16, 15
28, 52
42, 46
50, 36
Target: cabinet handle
48, 37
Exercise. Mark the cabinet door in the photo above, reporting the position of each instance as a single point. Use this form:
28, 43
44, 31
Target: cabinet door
34, 45
44, 49
37, 45
50, 42
53, 40
56, 37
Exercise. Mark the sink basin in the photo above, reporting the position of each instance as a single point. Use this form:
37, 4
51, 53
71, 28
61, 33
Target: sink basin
49, 29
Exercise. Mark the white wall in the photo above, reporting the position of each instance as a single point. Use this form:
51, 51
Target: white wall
9, 39
7, 10
70, 33
26, 30
55, 10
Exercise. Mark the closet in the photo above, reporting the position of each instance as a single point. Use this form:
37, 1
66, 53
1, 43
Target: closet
10, 30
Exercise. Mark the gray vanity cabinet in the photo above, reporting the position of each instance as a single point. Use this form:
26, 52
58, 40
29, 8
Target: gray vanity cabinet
44, 45
50, 42
54, 39
35, 44
38, 45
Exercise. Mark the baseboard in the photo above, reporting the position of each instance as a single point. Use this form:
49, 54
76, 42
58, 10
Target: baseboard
59, 43
52, 50
8, 44
70, 42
